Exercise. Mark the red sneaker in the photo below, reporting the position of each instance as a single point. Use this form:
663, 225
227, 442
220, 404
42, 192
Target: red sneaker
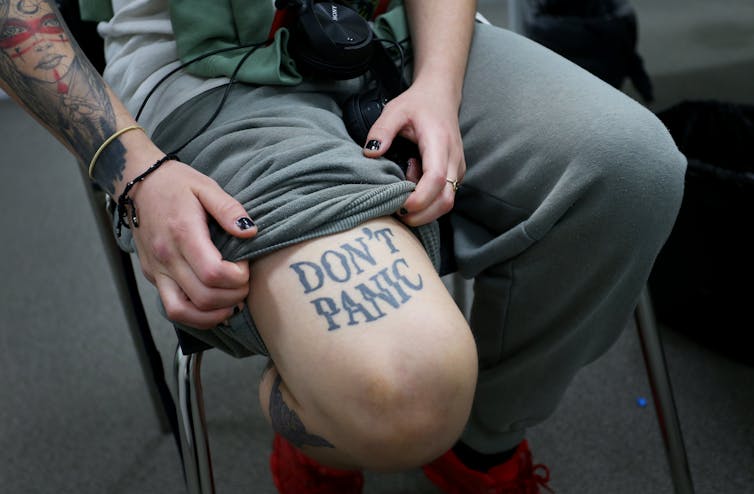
295, 473
515, 476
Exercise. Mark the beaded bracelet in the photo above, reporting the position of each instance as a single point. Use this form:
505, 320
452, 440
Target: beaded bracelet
107, 143
125, 202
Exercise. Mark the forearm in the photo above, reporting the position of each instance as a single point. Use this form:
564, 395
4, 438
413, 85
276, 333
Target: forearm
46, 72
441, 32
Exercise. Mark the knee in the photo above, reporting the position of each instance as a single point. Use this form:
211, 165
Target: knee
411, 406
408, 421
637, 170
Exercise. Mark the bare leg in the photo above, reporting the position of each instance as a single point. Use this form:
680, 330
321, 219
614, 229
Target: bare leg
374, 366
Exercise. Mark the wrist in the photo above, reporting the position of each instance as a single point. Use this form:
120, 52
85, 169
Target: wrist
127, 215
110, 140
442, 88
140, 154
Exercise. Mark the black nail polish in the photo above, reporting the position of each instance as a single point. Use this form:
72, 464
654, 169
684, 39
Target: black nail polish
373, 145
403, 211
244, 223
236, 310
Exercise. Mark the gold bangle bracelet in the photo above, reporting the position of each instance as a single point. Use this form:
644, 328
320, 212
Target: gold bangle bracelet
107, 143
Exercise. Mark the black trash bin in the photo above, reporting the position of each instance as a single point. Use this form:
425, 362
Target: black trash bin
703, 281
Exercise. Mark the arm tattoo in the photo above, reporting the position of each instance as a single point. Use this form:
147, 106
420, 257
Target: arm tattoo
48, 72
287, 423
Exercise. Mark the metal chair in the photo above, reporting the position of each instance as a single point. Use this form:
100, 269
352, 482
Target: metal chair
184, 416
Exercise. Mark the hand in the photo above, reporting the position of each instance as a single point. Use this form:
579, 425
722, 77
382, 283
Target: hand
197, 287
424, 114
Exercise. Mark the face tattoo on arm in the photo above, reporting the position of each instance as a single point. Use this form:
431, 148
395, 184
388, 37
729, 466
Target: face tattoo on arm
53, 79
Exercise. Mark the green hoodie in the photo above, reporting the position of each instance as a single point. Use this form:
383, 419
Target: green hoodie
201, 26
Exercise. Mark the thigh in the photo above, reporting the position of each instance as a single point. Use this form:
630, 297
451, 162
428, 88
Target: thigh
366, 339
531, 118
544, 140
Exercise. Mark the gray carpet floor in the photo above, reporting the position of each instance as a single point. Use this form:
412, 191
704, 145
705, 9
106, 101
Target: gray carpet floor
75, 416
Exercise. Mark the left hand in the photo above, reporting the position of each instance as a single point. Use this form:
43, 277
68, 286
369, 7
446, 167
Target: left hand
427, 116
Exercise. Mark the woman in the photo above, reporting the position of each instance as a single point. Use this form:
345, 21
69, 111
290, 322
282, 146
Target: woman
567, 191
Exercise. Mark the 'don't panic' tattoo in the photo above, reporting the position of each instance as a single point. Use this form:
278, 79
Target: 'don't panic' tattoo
364, 289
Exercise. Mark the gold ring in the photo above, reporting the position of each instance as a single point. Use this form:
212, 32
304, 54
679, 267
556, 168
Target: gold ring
454, 183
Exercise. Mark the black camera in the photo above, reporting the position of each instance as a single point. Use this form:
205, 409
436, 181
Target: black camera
333, 41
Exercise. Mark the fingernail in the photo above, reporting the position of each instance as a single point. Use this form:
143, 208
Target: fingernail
403, 211
373, 145
236, 310
244, 223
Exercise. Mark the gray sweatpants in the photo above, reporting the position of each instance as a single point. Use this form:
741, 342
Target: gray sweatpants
571, 190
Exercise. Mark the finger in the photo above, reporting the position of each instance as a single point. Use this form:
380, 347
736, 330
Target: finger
442, 164
179, 308
382, 133
433, 179
228, 212
440, 206
201, 295
196, 249
413, 170
443, 202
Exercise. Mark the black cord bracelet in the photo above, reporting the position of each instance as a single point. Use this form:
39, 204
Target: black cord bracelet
125, 202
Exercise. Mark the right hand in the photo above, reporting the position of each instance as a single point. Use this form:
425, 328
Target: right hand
197, 287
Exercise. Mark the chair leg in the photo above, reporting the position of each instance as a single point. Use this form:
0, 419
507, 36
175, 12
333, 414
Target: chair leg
662, 392
197, 463
133, 309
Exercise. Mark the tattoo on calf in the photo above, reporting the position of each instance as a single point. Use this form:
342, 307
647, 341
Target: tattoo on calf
368, 291
287, 423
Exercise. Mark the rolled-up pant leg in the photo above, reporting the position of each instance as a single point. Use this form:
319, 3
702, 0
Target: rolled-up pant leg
571, 190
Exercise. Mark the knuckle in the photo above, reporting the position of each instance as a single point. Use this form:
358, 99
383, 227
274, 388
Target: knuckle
210, 274
412, 221
203, 302
229, 209
161, 250
435, 178
446, 203
209, 180
174, 311
179, 228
